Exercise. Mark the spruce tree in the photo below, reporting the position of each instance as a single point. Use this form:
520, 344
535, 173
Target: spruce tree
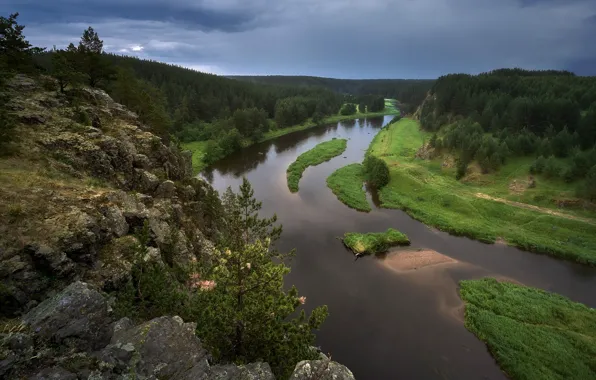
65, 68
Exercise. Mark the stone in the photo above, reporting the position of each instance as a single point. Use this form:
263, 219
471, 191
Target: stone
252, 371
146, 181
116, 221
120, 326
20, 342
77, 317
55, 373
55, 261
166, 189
321, 370
164, 347
141, 161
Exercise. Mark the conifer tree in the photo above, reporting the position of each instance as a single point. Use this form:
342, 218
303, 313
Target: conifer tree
93, 64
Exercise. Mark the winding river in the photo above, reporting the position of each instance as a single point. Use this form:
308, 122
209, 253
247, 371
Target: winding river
383, 324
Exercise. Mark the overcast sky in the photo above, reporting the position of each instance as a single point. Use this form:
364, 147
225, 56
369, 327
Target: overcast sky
333, 38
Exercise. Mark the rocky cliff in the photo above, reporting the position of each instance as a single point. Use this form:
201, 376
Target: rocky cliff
85, 176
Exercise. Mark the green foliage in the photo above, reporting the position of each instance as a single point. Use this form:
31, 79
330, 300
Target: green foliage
82, 117
65, 68
144, 99
346, 183
236, 296
533, 334
91, 59
348, 109
428, 192
317, 155
376, 171
374, 242
588, 188
16, 53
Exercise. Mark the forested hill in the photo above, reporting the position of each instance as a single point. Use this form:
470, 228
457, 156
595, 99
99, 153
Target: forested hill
495, 116
409, 91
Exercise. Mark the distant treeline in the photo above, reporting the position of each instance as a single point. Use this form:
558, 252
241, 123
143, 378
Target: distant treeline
409, 92
512, 112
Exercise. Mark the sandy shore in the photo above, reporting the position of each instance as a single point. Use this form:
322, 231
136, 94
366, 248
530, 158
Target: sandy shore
407, 260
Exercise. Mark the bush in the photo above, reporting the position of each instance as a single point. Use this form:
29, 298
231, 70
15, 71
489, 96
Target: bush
537, 166
552, 168
348, 109
376, 171
588, 188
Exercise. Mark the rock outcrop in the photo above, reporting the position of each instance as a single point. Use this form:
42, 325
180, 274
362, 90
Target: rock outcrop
79, 193
321, 370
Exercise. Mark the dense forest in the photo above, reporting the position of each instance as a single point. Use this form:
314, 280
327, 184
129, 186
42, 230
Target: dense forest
491, 117
409, 92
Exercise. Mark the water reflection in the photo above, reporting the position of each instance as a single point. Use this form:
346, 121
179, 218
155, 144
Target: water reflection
383, 325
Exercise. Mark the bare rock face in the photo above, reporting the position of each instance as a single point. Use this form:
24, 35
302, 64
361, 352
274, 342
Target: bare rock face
321, 370
77, 317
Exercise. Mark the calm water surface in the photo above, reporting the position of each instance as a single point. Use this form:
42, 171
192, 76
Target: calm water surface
382, 324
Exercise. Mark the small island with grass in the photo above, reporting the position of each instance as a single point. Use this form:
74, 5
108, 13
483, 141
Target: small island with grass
317, 155
346, 183
374, 242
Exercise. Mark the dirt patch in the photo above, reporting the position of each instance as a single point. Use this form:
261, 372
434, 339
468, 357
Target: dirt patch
518, 186
408, 260
536, 208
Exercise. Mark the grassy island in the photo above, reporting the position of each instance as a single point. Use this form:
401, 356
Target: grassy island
533, 334
346, 183
374, 242
320, 153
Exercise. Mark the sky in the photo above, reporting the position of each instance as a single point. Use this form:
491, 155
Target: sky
331, 38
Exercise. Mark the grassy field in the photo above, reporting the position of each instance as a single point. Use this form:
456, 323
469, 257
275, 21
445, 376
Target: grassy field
533, 334
391, 106
198, 152
346, 183
374, 242
477, 206
198, 147
320, 153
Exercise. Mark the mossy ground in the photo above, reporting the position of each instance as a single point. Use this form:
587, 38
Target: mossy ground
320, 153
374, 242
533, 334
346, 183
429, 192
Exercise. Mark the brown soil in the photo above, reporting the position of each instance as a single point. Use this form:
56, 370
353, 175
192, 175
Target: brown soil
536, 208
408, 260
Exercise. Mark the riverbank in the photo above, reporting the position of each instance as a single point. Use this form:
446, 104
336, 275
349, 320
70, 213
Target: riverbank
428, 191
198, 148
531, 333
315, 156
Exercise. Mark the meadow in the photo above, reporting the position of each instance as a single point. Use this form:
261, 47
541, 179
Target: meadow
374, 242
346, 183
489, 207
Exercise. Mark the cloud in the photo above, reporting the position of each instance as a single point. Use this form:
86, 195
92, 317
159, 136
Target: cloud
340, 38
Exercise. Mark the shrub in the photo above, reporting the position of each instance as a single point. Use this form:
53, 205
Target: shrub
376, 171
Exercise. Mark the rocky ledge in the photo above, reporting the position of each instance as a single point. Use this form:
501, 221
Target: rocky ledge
72, 336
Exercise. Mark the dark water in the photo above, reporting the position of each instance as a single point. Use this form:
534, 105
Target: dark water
382, 324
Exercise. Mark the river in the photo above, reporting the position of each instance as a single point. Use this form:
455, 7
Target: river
383, 324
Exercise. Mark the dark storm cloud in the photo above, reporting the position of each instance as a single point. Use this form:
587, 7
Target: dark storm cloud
340, 38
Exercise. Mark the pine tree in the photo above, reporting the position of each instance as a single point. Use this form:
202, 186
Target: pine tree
16, 53
65, 68
251, 314
94, 65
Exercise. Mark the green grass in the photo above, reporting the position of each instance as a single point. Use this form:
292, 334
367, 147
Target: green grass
320, 153
429, 192
391, 106
346, 183
374, 242
533, 334
198, 152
